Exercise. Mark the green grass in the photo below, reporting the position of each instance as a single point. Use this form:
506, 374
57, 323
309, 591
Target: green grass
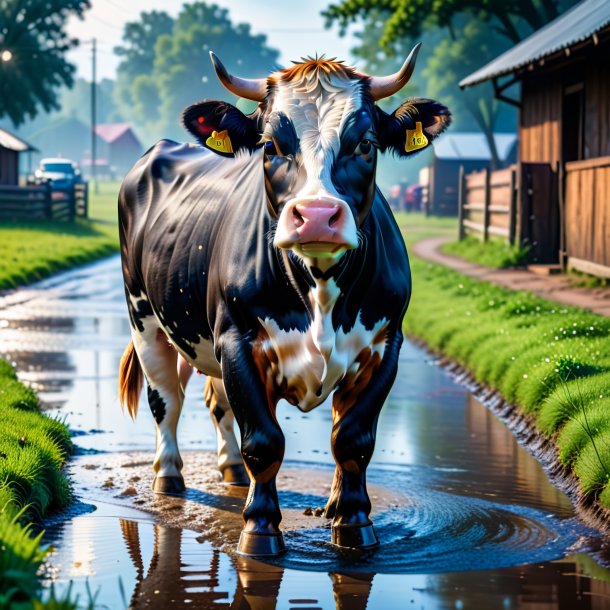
496, 253
33, 450
550, 360
34, 250
415, 226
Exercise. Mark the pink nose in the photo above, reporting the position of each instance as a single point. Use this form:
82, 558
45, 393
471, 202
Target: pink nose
316, 221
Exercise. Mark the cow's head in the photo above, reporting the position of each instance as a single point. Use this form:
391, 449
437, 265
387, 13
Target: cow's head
321, 132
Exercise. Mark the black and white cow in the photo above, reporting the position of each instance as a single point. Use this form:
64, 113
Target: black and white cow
268, 260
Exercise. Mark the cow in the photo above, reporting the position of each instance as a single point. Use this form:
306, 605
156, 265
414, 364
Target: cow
266, 258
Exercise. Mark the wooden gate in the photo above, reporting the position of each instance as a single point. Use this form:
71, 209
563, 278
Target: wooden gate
539, 215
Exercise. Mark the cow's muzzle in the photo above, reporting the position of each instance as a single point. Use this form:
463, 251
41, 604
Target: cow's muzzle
321, 227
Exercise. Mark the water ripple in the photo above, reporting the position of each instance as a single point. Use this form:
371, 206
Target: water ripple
440, 532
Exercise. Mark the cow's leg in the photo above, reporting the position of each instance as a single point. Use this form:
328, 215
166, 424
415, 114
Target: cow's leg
230, 464
165, 396
356, 406
262, 444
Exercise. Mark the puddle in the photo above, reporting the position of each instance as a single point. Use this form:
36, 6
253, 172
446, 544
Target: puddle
467, 518
128, 560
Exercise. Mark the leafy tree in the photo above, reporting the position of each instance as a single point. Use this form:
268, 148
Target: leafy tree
75, 102
408, 18
181, 72
134, 75
33, 44
472, 34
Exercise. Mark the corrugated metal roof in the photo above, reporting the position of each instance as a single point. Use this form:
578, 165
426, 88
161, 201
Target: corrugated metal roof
12, 142
472, 146
574, 26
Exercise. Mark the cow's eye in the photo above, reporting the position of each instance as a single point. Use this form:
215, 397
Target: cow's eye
270, 149
364, 148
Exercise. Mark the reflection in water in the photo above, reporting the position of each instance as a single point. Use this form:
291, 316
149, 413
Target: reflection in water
162, 567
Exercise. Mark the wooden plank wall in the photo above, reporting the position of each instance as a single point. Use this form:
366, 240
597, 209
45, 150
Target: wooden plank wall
540, 135
587, 204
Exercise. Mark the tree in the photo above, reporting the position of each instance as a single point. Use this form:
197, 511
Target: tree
134, 75
473, 33
511, 19
166, 71
33, 44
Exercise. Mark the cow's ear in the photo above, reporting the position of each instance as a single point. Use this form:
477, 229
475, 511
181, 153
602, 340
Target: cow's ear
412, 126
221, 127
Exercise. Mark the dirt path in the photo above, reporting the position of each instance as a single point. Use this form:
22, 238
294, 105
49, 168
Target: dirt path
555, 287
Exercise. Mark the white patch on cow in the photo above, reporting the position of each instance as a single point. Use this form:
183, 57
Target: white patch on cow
205, 360
318, 106
159, 364
228, 452
135, 300
314, 362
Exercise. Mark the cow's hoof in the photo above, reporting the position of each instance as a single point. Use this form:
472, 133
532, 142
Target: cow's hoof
172, 486
235, 475
354, 536
253, 544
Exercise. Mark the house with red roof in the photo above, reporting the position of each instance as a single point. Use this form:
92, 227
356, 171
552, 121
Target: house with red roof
118, 146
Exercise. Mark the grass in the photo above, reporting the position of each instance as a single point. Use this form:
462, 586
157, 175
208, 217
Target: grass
416, 226
496, 253
34, 250
552, 361
33, 450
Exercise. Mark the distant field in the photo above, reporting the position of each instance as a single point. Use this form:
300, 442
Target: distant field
30, 251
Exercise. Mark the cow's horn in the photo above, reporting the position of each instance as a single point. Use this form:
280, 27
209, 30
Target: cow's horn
251, 89
384, 86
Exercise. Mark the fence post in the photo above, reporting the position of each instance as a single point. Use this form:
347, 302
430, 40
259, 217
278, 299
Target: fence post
487, 201
561, 198
85, 200
461, 201
48, 201
72, 202
512, 210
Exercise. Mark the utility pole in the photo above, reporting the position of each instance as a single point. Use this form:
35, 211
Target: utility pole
93, 114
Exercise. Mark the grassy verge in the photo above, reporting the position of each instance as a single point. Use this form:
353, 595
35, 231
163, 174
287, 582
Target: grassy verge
33, 450
550, 360
34, 250
495, 253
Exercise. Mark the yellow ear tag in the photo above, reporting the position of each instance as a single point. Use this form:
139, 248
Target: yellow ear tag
220, 141
416, 138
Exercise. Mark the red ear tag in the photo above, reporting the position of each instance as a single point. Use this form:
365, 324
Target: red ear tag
200, 120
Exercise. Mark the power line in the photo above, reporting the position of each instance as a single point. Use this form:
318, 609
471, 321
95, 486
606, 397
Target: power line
106, 23
121, 8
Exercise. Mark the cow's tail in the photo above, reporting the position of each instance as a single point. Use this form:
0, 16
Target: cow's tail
130, 380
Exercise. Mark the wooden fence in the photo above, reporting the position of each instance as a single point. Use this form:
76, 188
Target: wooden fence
41, 202
487, 203
587, 215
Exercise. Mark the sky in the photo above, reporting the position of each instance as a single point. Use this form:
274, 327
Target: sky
294, 28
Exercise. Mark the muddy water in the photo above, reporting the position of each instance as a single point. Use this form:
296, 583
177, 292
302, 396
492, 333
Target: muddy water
466, 517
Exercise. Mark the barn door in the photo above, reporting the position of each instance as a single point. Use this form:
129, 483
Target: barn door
539, 211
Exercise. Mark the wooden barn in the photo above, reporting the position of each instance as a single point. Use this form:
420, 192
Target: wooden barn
455, 150
10, 148
564, 136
